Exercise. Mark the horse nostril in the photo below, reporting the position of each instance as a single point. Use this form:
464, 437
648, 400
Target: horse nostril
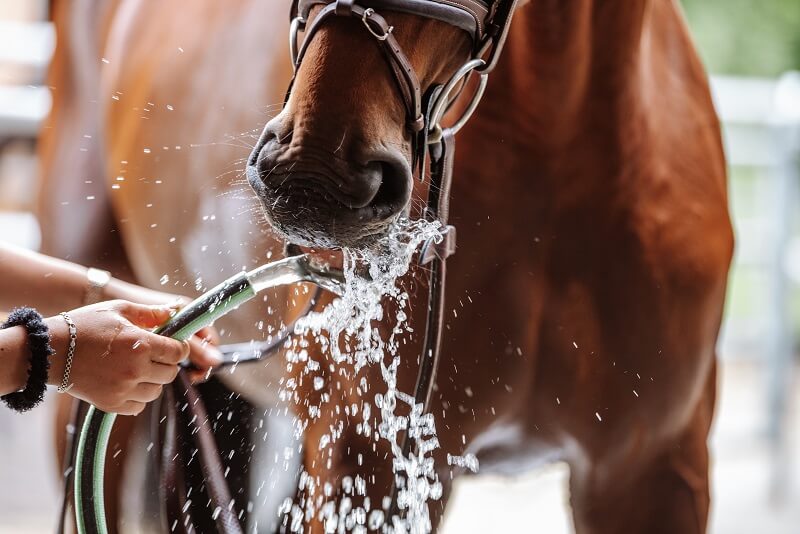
280, 135
394, 189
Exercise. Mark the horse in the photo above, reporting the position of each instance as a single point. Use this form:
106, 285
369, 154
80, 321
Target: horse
590, 196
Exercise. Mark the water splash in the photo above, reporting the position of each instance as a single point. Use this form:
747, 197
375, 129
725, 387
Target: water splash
347, 332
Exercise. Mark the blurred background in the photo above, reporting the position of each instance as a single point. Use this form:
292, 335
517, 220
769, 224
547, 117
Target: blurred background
752, 50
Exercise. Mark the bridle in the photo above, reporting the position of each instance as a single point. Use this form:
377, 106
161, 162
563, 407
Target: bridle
487, 25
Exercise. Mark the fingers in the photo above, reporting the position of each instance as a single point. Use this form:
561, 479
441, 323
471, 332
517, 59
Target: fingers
145, 316
146, 392
166, 350
130, 408
160, 373
208, 334
199, 349
203, 355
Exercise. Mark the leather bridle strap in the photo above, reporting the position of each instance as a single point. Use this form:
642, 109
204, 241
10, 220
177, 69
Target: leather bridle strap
472, 16
404, 74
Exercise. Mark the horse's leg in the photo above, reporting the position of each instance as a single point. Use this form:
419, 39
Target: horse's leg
667, 494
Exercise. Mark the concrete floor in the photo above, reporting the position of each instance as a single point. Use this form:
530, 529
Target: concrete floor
535, 502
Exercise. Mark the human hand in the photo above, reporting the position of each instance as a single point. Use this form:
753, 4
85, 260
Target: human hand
119, 364
203, 353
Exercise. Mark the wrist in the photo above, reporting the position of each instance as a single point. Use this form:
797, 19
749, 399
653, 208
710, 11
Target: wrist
115, 289
38, 344
59, 340
97, 281
14, 359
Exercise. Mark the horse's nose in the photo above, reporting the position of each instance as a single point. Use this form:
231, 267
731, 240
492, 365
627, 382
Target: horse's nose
354, 177
324, 187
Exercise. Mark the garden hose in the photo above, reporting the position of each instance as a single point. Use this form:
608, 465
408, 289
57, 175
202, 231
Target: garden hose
90, 457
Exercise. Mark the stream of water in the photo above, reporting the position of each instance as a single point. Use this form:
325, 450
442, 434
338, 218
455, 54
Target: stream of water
348, 333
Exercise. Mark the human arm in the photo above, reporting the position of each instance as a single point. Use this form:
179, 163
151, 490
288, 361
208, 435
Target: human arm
119, 365
47, 284
51, 285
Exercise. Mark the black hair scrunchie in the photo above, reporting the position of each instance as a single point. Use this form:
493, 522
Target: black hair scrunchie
39, 345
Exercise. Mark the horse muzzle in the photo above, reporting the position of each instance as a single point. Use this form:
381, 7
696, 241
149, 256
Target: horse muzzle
319, 197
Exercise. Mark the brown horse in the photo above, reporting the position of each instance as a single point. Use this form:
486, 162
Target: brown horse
589, 194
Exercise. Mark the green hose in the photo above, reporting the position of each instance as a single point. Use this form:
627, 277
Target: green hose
90, 458
93, 518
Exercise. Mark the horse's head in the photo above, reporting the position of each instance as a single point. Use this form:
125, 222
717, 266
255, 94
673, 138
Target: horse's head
334, 168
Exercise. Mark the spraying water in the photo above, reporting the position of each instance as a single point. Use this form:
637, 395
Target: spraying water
347, 331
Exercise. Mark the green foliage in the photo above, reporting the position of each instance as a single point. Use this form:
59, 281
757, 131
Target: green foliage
746, 37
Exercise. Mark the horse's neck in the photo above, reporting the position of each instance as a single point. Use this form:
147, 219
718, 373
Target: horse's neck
577, 81
573, 58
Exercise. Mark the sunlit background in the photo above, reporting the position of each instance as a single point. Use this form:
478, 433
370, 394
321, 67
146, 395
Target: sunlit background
752, 49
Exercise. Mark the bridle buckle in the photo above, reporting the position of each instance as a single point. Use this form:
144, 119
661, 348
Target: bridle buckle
365, 18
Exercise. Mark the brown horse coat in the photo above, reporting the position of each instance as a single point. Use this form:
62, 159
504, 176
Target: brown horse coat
594, 237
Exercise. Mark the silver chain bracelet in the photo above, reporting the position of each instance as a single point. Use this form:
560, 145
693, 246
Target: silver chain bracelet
73, 336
